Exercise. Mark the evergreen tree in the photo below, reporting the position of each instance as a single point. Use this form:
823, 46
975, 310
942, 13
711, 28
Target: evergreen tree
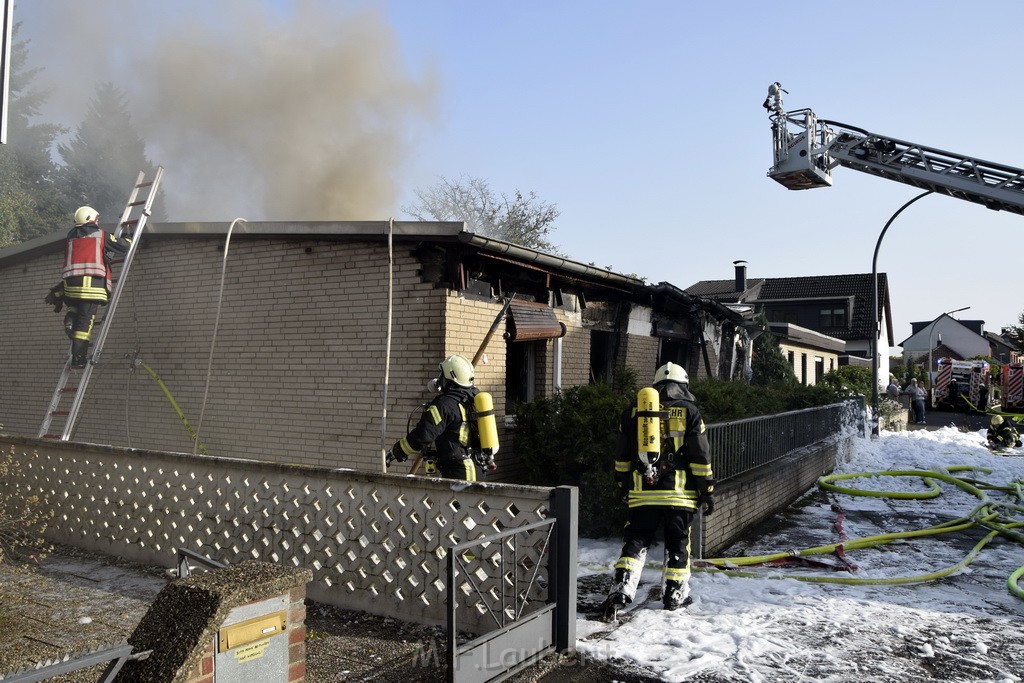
770, 366
30, 197
104, 157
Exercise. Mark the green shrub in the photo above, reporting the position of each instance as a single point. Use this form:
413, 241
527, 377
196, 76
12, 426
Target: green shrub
849, 380
570, 438
769, 367
721, 401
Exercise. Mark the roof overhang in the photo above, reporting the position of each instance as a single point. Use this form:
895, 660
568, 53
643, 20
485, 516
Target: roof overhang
399, 231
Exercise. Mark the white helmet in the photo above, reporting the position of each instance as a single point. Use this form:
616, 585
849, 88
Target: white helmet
670, 372
86, 214
458, 370
997, 420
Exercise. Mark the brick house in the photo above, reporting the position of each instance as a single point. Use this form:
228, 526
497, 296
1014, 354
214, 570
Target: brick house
295, 367
837, 307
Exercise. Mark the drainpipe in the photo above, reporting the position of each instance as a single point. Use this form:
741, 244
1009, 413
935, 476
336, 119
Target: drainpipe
556, 375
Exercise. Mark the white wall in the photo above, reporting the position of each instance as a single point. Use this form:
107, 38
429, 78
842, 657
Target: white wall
954, 335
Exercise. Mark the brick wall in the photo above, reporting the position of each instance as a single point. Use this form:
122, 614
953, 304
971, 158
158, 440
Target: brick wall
298, 364
575, 350
743, 502
641, 356
298, 367
697, 364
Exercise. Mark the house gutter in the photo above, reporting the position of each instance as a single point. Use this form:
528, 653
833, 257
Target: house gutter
548, 261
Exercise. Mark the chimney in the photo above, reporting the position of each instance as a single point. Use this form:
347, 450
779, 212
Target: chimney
741, 275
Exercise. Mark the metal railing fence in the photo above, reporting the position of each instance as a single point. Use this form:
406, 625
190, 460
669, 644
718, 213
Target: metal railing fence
743, 445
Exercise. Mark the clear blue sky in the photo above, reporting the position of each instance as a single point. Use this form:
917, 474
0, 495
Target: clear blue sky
641, 121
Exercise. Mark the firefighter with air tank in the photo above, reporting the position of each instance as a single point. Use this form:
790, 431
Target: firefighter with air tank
457, 433
663, 467
87, 281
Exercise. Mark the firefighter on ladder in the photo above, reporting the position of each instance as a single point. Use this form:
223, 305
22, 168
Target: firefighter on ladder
669, 490
86, 283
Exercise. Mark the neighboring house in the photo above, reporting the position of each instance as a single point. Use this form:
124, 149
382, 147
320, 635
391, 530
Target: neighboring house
1005, 348
945, 337
838, 307
810, 354
313, 342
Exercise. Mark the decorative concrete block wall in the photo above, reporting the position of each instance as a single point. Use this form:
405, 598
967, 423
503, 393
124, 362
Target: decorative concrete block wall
374, 542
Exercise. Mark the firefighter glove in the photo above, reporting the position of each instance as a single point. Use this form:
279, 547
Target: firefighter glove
707, 503
397, 454
55, 298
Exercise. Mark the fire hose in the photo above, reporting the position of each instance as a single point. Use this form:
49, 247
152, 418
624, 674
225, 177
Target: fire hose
995, 515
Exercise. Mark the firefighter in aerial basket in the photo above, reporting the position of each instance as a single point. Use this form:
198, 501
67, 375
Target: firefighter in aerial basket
456, 433
663, 468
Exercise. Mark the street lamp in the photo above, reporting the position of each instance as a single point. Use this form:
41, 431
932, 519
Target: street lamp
931, 331
874, 313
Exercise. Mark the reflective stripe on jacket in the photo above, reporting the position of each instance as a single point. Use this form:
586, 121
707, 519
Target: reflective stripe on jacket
86, 270
83, 256
444, 423
684, 467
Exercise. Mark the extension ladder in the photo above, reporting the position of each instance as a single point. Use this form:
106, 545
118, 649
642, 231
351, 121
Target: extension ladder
73, 381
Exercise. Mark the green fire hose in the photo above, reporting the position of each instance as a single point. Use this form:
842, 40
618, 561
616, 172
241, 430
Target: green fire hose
996, 516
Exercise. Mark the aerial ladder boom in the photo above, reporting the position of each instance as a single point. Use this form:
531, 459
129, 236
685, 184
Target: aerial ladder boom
807, 148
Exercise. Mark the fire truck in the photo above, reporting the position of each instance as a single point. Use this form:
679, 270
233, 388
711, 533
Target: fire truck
1011, 378
973, 381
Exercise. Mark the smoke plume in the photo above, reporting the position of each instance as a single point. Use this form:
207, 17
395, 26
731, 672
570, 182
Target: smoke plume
267, 111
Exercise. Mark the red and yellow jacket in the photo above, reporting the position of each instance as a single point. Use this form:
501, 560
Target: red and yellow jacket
86, 269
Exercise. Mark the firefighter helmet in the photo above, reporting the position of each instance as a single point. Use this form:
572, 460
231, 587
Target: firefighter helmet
86, 214
997, 420
670, 372
458, 370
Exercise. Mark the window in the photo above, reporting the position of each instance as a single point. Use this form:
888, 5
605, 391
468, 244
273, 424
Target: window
832, 317
602, 356
819, 368
521, 371
803, 369
783, 315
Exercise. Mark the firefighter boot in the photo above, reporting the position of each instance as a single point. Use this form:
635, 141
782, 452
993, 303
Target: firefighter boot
623, 589
611, 607
676, 595
79, 353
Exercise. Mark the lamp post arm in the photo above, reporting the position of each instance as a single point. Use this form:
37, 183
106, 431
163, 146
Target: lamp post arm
874, 312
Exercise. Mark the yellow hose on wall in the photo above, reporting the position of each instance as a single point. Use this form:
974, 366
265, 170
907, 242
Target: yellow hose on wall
174, 404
